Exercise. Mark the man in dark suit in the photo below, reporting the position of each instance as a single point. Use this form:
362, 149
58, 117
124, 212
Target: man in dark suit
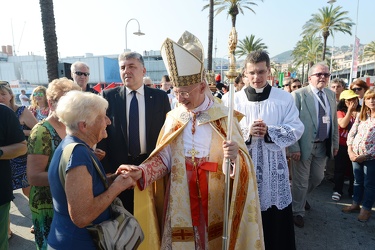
153, 105
317, 111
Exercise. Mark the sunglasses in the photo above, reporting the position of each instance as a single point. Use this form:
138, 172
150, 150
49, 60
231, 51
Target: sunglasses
41, 94
79, 73
321, 74
296, 86
4, 83
356, 89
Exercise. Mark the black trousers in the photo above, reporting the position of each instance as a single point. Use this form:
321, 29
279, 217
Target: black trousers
127, 196
278, 228
343, 165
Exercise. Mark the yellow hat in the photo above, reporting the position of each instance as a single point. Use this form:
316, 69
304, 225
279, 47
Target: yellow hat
184, 60
348, 94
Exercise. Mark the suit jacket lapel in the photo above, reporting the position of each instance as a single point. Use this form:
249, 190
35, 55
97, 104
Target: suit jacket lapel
121, 113
310, 104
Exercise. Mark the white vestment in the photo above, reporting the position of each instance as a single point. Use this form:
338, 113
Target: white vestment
281, 116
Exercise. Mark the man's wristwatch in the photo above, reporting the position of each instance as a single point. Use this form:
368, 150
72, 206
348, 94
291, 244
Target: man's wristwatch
1, 152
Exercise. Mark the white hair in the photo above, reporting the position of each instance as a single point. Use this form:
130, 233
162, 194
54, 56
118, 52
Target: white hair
77, 106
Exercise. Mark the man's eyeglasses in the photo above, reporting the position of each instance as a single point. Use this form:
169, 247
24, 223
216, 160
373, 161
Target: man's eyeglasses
40, 94
79, 73
356, 89
296, 86
185, 94
321, 74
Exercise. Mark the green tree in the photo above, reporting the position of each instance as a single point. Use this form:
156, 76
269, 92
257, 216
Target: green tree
249, 44
234, 7
50, 39
306, 52
370, 50
328, 20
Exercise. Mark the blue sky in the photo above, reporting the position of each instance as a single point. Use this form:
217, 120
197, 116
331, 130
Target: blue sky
98, 27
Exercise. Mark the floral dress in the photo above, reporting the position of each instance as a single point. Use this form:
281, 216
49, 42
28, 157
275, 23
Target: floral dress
43, 140
39, 113
18, 164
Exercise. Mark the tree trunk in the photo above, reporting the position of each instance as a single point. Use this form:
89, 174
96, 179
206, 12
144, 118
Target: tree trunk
210, 35
50, 39
325, 36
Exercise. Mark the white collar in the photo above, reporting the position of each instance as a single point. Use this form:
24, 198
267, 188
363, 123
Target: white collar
140, 90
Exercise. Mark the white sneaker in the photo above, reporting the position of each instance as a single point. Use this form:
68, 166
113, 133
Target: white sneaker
336, 196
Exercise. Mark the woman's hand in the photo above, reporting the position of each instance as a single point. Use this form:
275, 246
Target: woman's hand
99, 153
130, 170
353, 156
360, 158
352, 105
125, 181
230, 149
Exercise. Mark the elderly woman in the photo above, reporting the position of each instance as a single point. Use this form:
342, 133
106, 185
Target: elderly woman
43, 140
361, 149
39, 105
359, 87
83, 199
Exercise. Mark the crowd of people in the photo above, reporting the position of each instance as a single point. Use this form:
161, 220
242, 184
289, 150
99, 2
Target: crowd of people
165, 152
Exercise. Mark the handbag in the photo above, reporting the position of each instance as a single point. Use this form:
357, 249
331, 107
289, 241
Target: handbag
122, 230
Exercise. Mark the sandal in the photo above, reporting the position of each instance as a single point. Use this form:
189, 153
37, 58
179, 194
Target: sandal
336, 196
32, 229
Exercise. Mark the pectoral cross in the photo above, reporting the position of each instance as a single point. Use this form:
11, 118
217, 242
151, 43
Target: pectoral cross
193, 153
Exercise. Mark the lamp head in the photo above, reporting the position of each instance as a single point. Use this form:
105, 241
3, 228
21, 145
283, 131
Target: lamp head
139, 33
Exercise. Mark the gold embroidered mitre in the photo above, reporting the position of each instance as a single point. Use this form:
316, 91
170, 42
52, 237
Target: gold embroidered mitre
184, 60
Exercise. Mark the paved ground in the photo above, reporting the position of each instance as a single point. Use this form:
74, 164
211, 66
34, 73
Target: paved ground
326, 227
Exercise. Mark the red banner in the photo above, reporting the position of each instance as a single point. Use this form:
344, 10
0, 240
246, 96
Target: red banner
355, 58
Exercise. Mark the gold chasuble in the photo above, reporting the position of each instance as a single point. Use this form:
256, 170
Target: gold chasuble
163, 208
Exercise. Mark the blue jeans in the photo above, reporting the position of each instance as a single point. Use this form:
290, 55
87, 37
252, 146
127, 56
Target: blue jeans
364, 184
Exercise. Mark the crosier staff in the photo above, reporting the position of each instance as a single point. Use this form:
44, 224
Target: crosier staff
231, 75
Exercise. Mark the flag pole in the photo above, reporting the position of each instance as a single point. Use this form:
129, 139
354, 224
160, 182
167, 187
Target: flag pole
231, 75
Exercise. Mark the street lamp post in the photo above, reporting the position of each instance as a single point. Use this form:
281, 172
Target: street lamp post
354, 48
138, 33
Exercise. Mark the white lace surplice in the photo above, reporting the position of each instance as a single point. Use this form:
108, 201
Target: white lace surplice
284, 128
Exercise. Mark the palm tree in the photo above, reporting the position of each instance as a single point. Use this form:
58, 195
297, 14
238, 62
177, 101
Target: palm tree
210, 35
306, 52
370, 50
234, 7
50, 39
327, 21
249, 44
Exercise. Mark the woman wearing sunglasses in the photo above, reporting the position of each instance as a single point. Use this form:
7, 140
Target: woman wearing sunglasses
39, 105
359, 87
